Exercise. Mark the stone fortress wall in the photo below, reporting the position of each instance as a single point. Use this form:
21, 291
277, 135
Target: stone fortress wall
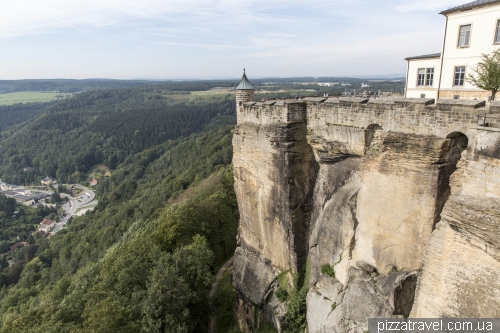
407, 115
401, 198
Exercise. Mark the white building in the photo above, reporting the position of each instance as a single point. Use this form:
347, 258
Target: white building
48, 181
470, 30
46, 225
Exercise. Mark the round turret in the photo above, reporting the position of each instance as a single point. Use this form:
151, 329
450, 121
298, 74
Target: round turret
244, 93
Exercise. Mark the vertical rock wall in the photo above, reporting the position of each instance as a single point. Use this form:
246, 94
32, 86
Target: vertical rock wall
461, 265
274, 176
357, 189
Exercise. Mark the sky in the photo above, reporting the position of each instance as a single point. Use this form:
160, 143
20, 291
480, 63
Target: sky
208, 39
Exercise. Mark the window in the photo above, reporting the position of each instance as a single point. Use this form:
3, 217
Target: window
429, 77
425, 76
497, 34
421, 77
459, 76
464, 36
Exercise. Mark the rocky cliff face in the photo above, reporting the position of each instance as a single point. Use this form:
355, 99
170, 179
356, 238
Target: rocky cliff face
382, 203
274, 178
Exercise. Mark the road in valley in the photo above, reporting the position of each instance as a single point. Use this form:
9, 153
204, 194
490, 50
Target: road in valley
83, 199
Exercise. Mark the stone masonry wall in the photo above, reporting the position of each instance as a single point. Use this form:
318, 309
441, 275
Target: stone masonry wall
407, 115
412, 116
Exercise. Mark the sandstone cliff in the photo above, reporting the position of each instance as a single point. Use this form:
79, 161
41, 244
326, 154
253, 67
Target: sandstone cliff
390, 208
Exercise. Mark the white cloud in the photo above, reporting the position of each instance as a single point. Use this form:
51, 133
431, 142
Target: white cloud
31, 16
271, 35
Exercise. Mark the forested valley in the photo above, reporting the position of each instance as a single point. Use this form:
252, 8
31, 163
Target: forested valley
103, 126
144, 259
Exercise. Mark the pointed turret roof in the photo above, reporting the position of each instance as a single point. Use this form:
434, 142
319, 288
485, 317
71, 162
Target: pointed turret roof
244, 84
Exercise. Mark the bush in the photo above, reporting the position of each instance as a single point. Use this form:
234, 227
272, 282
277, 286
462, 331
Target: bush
282, 295
327, 269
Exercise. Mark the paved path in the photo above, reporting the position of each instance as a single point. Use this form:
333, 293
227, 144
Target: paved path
213, 319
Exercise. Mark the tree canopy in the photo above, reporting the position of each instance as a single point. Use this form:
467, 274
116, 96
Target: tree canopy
143, 260
486, 75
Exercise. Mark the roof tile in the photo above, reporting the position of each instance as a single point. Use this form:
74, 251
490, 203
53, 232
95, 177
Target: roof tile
469, 5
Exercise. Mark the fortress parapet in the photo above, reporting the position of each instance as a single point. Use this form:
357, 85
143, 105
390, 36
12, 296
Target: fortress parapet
273, 112
405, 115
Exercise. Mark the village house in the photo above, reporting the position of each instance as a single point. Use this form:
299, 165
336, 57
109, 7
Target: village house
46, 225
93, 182
470, 30
47, 181
17, 245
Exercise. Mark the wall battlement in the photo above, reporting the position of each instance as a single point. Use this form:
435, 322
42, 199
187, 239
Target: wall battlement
407, 115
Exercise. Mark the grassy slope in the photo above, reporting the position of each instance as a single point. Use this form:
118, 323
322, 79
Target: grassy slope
27, 97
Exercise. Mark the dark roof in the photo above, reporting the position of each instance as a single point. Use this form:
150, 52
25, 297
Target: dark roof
469, 5
10, 193
425, 56
18, 244
244, 84
40, 196
24, 197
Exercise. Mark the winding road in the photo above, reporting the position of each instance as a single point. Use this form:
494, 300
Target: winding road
70, 208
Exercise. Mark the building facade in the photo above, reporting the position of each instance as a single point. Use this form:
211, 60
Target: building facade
471, 29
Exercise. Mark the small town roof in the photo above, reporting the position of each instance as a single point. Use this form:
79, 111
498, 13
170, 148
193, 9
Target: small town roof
46, 221
23, 197
244, 84
18, 244
469, 5
38, 196
10, 193
425, 56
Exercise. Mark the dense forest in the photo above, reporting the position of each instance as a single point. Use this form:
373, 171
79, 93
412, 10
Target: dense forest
103, 126
144, 259
18, 113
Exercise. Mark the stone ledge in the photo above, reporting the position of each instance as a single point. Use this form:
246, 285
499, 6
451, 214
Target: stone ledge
419, 101
488, 129
315, 99
381, 101
359, 100
495, 107
468, 103
333, 100
295, 102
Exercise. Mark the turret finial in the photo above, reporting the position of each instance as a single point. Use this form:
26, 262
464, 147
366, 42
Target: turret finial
244, 84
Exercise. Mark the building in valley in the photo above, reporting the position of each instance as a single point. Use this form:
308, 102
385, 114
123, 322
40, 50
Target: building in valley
46, 225
47, 181
471, 29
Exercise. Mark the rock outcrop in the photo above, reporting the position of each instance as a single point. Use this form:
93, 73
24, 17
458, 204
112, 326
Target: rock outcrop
392, 206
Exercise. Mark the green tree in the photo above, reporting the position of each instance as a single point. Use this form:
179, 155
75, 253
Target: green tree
165, 307
486, 75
